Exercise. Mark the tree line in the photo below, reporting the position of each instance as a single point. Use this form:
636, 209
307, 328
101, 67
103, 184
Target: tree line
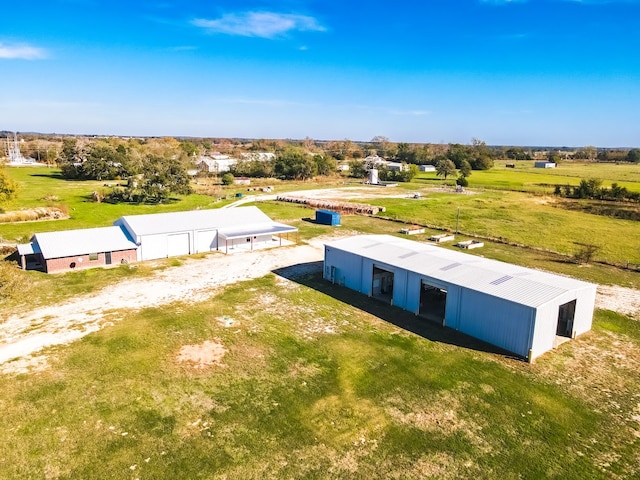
592, 189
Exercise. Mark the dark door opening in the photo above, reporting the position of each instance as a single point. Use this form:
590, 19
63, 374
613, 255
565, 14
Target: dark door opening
107, 258
382, 285
566, 313
433, 303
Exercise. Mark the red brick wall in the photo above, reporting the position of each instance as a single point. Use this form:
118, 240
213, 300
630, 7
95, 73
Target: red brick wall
81, 262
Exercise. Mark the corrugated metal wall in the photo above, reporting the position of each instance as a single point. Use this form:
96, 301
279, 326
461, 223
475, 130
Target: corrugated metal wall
496, 321
502, 323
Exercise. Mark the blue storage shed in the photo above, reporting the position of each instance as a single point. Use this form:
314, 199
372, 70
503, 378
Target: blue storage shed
327, 217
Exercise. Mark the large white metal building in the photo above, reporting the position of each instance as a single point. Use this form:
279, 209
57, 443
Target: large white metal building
521, 310
162, 235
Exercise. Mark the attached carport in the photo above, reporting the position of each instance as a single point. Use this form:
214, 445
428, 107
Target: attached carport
254, 236
29, 256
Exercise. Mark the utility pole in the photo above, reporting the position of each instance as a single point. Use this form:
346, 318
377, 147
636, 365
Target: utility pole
457, 220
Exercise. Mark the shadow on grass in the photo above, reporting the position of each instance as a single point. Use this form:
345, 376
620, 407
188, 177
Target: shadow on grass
53, 175
310, 275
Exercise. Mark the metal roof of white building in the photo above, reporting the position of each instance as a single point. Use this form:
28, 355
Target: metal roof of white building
174, 222
69, 243
511, 282
272, 228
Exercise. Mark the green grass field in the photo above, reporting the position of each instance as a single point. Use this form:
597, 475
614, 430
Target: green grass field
320, 382
521, 218
526, 178
366, 400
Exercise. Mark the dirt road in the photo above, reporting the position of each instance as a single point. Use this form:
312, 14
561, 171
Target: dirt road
25, 334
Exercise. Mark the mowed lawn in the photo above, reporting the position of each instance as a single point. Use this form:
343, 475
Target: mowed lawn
318, 382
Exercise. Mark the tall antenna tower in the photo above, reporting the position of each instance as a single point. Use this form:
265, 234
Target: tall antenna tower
13, 150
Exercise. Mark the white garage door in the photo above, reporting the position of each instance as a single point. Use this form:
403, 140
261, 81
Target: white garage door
206, 240
178, 244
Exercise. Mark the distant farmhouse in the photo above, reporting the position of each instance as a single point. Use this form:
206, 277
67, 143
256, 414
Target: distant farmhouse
219, 163
215, 163
520, 310
148, 237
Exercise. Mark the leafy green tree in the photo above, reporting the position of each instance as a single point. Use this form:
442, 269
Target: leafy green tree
325, 165
8, 188
189, 148
227, 179
517, 153
408, 173
633, 155
445, 167
295, 163
482, 162
159, 179
405, 153
71, 157
357, 169
591, 188
457, 154
465, 169
104, 162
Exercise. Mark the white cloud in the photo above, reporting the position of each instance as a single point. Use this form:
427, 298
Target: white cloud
24, 52
260, 24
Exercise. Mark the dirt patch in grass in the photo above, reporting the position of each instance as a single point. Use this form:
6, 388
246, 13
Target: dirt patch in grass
434, 418
207, 354
619, 299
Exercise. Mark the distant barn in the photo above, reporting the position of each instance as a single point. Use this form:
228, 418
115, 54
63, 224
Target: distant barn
544, 165
518, 309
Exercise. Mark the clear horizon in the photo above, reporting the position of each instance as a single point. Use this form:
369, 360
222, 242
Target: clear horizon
509, 72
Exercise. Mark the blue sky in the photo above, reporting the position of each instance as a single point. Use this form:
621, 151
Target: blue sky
509, 72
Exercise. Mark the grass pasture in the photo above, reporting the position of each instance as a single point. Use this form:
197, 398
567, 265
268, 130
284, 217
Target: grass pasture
523, 219
526, 178
42, 186
313, 385
317, 381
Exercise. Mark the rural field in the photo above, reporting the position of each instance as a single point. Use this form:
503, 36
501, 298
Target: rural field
260, 369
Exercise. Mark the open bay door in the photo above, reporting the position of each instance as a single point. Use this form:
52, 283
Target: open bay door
433, 302
382, 284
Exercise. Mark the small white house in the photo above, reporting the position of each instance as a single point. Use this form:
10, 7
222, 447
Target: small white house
427, 168
518, 309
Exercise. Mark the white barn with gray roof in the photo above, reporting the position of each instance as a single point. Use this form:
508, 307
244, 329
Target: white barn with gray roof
521, 310
163, 235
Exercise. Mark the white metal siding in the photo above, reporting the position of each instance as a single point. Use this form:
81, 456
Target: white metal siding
585, 302
153, 247
178, 244
206, 240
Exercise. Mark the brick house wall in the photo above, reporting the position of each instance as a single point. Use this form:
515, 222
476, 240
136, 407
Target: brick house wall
81, 262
